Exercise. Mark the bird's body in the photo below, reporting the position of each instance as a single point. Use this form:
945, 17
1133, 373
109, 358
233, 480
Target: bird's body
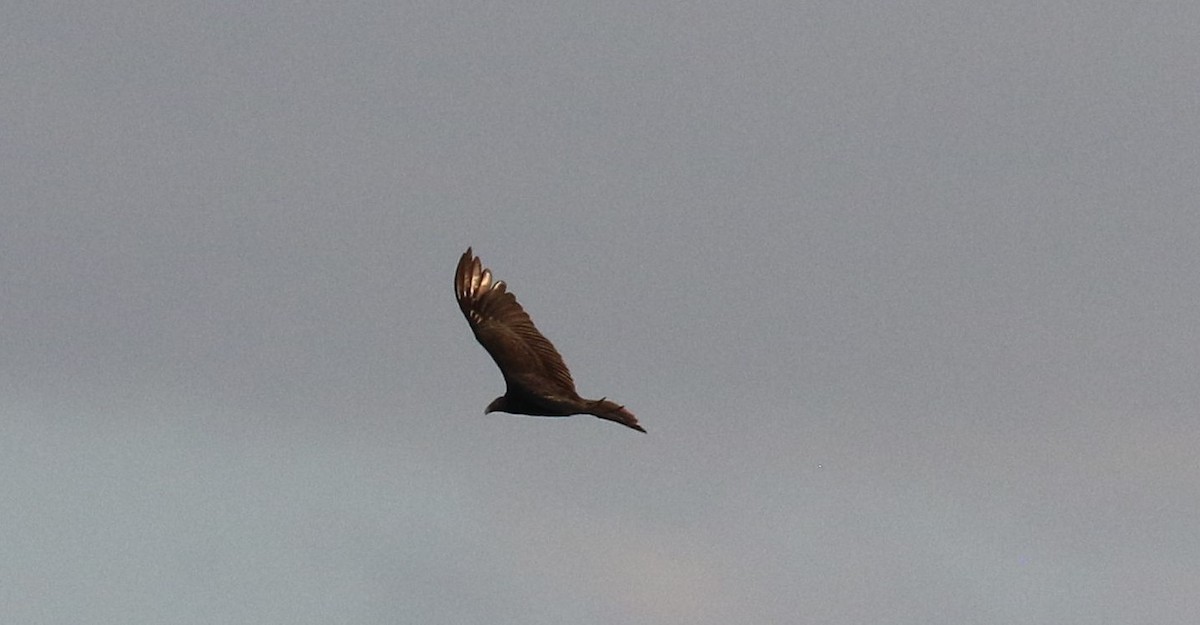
537, 380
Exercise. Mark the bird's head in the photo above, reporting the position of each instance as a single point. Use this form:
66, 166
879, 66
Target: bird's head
498, 405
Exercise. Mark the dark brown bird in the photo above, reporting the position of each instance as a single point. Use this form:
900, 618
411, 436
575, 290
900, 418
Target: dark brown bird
539, 383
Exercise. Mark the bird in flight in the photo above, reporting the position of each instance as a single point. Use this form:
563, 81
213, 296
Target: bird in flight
537, 379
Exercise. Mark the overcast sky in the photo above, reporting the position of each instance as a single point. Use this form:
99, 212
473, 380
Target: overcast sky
907, 295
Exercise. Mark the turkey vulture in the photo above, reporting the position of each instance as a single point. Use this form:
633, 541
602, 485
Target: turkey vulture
538, 381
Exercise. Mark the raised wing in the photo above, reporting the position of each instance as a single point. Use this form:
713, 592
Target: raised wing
525, 357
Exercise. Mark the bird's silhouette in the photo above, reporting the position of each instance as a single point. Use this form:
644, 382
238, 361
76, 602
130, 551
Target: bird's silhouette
537, 379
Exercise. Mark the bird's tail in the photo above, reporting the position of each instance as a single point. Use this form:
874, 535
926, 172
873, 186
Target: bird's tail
614, 412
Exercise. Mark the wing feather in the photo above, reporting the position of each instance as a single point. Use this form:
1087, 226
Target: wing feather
526, 358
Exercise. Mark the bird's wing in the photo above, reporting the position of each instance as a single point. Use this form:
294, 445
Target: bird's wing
506, 331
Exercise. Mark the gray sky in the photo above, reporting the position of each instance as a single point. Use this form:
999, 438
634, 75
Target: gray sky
905, 293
